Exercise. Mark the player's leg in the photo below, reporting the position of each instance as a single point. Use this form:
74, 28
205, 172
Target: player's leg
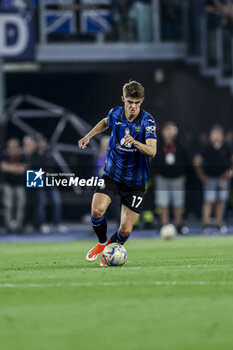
99, 206
131, 206
128, 219
100, 203
101, 200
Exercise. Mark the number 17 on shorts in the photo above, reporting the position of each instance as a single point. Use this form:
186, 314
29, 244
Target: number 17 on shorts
136, 201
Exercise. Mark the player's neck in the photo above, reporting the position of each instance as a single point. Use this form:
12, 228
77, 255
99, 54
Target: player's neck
131, 117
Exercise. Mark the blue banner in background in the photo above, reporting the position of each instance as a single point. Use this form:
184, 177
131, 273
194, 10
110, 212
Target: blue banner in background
17, 35
60, 22
96, 21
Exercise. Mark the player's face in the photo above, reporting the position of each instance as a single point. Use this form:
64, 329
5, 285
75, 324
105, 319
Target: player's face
132, 106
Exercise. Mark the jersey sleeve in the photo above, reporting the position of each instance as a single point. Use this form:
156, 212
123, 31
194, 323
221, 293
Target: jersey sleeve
150, 128
109, 117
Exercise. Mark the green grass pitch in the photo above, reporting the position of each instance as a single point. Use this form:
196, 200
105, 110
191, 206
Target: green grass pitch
169, 295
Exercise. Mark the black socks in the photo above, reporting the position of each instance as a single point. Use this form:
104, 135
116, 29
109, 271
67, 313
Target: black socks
100, 228
116, 237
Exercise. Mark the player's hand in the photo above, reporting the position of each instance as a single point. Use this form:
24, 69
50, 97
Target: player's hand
129, 139
83, 142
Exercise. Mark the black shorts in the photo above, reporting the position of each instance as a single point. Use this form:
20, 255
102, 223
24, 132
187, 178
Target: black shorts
131, 196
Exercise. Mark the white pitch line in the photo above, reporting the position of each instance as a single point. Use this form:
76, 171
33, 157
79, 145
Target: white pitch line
112, 284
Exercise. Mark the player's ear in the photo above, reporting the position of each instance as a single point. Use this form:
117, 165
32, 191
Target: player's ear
122, 99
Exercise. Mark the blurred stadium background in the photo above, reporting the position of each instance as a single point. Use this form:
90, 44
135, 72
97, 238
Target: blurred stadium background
62, 67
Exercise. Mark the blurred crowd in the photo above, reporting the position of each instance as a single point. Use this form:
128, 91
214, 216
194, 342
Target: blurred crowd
221, 8
190, 177
25, 210
190, 172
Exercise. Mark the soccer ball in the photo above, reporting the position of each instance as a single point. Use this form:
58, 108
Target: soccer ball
115, 254
168, 232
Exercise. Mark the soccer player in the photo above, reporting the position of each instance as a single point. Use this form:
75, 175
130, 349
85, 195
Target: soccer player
133, 141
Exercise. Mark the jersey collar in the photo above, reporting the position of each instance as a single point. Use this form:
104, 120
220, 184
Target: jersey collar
135, 120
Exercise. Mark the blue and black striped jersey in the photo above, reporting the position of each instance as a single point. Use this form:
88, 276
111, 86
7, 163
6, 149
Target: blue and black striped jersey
124, 163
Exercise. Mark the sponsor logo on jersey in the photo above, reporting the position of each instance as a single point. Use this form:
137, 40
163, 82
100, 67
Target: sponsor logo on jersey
126, 149
151, 129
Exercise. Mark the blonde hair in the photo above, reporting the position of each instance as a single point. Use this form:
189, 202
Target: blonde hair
133, 89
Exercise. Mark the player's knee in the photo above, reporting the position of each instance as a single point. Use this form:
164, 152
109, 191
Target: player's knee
125, 230
97, 213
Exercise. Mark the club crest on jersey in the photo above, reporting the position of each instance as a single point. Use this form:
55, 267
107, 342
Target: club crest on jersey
137, 128
122, 142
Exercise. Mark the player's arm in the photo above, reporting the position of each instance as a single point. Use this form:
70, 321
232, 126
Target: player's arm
149, 148
98, 129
